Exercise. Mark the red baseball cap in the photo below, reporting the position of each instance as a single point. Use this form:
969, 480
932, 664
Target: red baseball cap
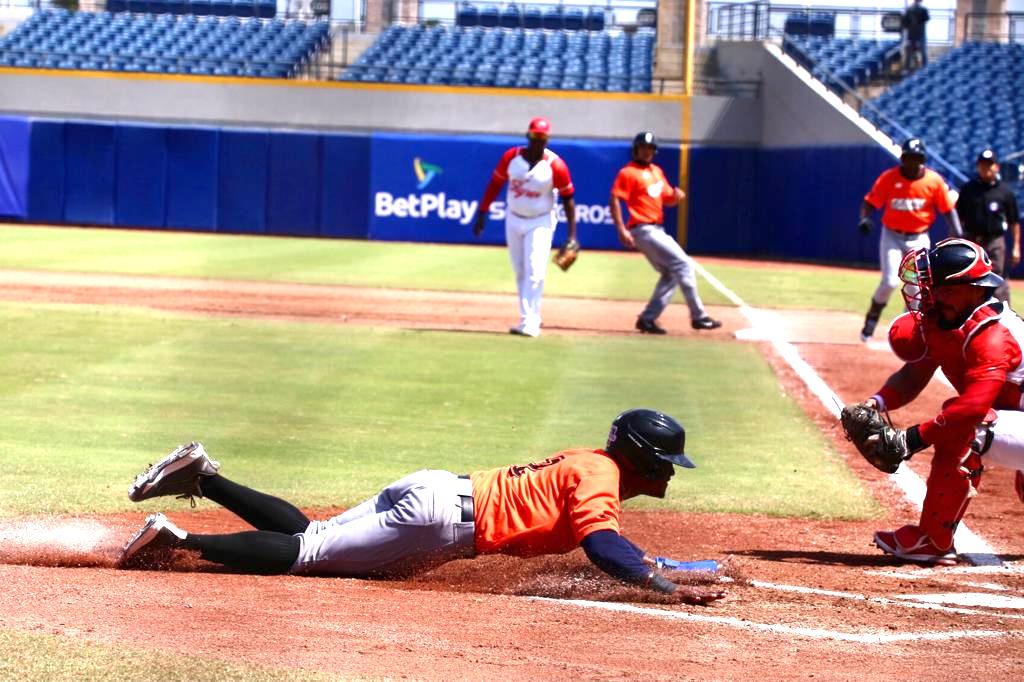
539, 126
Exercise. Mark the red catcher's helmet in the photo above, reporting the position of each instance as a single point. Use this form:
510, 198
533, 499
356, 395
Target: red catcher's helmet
951, 261
540, 127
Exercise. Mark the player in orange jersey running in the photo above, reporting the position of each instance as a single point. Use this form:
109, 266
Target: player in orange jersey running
643, 186
910, 196
571, 499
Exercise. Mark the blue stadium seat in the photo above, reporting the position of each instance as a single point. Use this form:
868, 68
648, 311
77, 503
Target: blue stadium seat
574, 19
552, 19
489, 16
532, 18
511, 17
467, 15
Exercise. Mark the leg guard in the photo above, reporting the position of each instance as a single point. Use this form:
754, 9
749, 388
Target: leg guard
953, 481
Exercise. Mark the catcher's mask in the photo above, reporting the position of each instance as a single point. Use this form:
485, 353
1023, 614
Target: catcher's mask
952, 261
650, 441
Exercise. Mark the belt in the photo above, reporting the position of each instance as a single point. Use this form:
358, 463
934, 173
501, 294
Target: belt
905, 235
529, 217
466, 502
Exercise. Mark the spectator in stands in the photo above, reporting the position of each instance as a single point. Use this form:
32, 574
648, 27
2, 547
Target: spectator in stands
988, 210
915, 20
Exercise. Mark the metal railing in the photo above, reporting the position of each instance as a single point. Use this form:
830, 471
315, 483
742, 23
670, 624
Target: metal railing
759, 20
994, 27
852, 98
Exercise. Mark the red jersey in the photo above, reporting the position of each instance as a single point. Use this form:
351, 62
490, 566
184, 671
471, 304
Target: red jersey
645, 189
982, 359
910, 205
546, 507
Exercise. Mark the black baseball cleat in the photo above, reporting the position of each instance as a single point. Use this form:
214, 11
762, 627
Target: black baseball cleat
649, 326
705, 323
153, 545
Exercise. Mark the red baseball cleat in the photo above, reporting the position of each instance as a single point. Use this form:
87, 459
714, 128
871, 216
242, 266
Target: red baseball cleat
911, 544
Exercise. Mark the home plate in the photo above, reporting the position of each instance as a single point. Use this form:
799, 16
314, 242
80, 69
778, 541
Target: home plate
995, 601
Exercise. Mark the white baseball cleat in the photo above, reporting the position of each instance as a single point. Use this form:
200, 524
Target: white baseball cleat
152, 544
178, 473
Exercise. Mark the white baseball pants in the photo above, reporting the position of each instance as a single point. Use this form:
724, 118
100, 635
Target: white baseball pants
529, 249
892, 247
1007, 448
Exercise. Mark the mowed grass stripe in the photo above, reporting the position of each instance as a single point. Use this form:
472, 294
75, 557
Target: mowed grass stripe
326, 415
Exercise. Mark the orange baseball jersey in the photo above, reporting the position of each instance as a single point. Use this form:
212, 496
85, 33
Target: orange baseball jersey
910, 205
546, 507
644, 189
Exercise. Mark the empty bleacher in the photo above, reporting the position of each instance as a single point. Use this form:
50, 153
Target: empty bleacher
163, 43
842, 61
265, 9
967, 100
509, 57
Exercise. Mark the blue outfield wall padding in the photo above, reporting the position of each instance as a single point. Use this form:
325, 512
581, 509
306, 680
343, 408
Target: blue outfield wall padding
798, 204
293, 187
141, 176
15, 149
428, 188
344, 209
242, 181
46, 172
192, 156
89, 172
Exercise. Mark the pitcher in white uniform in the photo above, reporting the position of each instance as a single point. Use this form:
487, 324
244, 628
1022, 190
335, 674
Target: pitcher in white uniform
534, 175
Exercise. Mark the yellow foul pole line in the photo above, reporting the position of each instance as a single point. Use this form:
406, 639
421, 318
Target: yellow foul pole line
689, 19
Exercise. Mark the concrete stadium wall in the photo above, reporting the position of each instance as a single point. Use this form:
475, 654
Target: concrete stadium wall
369, 107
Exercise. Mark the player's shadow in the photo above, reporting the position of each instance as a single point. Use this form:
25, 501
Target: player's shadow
819, 557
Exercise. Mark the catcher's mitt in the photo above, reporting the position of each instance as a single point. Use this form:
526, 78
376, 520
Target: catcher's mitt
567, 255
881, 444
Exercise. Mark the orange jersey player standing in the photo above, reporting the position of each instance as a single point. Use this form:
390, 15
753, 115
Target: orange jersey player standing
643, 186
910, 197
571, 499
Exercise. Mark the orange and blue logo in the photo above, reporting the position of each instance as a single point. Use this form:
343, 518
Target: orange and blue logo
425, 172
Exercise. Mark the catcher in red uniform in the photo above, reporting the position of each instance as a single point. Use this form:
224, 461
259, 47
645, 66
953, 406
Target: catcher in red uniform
955, 324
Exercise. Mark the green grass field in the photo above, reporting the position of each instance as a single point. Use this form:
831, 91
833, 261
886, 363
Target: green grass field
324, 415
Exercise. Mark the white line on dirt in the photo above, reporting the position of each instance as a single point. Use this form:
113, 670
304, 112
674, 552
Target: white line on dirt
970, 545
775, 628
932, 602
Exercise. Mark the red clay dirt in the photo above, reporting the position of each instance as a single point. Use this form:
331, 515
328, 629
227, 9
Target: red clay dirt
858, 613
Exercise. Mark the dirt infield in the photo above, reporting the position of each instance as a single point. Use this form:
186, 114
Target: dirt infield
808, 599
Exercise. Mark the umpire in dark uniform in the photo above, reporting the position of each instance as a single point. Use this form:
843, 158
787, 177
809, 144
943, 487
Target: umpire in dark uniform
988, 211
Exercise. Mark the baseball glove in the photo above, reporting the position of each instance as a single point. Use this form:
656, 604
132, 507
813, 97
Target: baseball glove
880, 443
567, 255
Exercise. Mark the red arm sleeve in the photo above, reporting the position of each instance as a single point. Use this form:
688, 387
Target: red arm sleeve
907, 383
562, 179
990, 354
879, 191
498, 178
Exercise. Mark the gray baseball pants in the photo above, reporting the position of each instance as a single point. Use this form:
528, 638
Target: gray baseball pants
666, 256
412, 525
892, 247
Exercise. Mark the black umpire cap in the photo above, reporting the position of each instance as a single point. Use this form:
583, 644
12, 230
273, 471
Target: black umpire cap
987, 156
914, 146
